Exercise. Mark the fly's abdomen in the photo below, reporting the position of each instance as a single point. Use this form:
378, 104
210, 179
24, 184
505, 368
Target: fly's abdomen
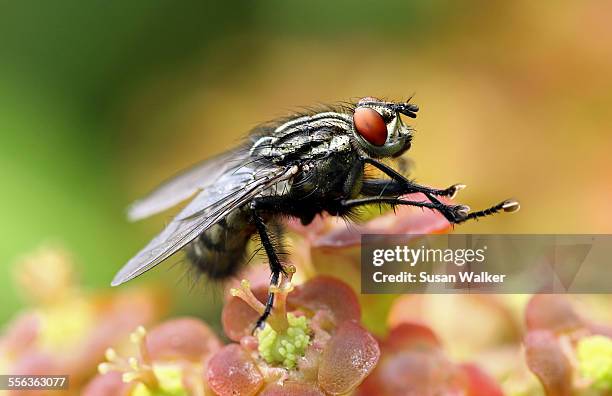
219, 252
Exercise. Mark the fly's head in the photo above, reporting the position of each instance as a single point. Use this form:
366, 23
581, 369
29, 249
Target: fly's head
378, 127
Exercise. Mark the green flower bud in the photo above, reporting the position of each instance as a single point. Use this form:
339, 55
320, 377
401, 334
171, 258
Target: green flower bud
169, 379
287, 347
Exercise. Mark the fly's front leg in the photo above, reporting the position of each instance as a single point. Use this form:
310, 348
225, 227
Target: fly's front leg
275, 265
455, 214
387, 187
401, 185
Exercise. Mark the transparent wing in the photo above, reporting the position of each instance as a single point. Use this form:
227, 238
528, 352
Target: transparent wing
185, 184
230, 191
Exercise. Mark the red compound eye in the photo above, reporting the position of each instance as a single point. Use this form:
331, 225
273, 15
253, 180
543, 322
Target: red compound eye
370, 125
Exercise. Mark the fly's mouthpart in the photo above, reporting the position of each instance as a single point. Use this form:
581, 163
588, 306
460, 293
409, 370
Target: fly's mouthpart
511, 206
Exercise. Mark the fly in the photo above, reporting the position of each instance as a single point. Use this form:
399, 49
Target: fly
299, 166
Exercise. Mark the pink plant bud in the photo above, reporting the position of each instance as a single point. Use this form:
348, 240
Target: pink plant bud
411, 336
414, 364
181, 338
35, 363
349, 357
552, 312
330, 294
547, 361
238, 318
20, 334
231, 371
478, 383
412, 373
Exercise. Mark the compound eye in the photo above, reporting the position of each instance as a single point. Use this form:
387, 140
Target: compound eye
370, 125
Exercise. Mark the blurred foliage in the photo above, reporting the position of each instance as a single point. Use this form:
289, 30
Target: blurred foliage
99, 101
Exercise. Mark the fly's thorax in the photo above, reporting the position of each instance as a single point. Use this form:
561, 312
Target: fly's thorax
335, 176
304, 138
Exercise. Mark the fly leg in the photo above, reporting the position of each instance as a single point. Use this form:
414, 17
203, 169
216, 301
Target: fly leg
401, 185
385, 187
455, 214
276, 268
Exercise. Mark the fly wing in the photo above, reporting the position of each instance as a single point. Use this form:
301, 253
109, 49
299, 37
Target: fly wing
231, 191
185, 184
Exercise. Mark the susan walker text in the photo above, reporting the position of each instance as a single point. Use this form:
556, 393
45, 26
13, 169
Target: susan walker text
471, 277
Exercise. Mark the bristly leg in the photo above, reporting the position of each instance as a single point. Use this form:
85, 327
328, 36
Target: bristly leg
276, 268
508, 205
400, 185
455, 214
385, 187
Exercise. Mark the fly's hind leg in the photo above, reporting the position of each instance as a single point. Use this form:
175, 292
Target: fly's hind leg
276, 268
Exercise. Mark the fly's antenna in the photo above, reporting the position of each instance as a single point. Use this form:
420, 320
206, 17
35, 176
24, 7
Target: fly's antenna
405, 108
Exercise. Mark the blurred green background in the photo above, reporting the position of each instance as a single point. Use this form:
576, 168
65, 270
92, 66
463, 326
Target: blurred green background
99, 101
